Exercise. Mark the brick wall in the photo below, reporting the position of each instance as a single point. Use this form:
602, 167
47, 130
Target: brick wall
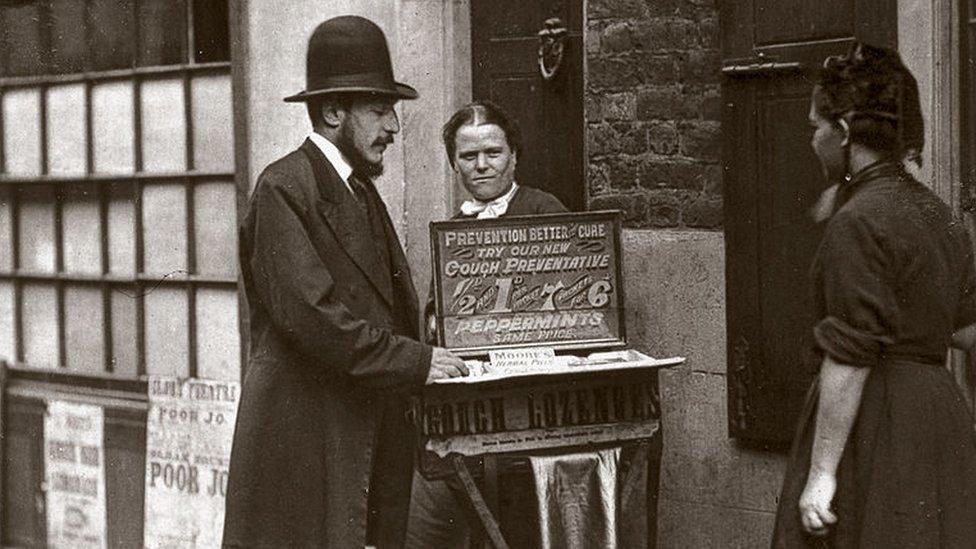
652, 109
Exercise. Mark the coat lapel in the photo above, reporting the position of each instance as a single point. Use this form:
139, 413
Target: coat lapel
347, 220
402, 278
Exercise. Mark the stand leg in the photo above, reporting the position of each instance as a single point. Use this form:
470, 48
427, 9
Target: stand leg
653, 486
478, 503
490, 486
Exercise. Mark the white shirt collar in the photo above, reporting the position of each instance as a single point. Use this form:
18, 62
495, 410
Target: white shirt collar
492, 208
334, 156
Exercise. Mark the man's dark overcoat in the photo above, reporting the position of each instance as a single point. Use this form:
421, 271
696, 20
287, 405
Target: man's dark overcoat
333, 349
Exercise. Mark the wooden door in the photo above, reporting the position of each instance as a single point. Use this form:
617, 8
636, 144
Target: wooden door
549, 113
771, 49
504, 50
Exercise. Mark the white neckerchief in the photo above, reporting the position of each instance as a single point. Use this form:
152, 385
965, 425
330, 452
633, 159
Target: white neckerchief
490, 209
334, 156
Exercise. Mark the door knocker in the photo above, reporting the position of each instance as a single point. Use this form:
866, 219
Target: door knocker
551, 47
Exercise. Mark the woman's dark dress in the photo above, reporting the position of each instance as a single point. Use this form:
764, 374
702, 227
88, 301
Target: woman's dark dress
893, 278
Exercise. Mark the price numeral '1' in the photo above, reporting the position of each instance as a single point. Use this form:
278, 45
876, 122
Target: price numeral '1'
504, 286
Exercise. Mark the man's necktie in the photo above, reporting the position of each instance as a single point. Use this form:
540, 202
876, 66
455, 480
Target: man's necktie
373, 209
359, 191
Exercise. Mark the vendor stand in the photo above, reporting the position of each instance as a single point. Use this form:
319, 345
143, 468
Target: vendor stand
536, 306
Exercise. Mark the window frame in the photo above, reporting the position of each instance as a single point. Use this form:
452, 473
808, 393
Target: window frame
140, 282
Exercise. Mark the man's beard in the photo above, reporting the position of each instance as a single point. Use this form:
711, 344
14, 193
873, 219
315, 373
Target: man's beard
360, 165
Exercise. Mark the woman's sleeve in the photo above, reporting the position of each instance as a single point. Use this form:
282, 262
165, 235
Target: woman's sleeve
861, 308
551, 204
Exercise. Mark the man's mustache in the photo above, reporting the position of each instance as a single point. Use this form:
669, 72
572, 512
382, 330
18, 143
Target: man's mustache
383, 141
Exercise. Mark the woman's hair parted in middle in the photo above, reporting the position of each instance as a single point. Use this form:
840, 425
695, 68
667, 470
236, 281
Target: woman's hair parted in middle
872, 90
478, 113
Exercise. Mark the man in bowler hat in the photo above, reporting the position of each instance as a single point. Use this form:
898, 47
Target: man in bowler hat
323, 454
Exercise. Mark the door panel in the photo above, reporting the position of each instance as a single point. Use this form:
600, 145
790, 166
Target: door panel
785, 22
504, 47
772, 179
23, 475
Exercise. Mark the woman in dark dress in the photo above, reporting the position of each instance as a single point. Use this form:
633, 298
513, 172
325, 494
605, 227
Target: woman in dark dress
885, 453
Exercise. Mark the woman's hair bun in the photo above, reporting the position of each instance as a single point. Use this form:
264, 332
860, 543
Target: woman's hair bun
872, 90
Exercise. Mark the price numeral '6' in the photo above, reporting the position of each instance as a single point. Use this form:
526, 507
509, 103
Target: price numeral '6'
599, 293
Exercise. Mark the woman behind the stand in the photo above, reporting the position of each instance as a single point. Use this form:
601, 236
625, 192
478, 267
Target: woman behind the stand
885, 454
483, 145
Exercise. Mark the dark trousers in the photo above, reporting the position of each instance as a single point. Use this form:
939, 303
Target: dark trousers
392, 466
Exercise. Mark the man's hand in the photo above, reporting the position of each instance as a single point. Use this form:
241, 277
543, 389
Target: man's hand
815, 513
444, 364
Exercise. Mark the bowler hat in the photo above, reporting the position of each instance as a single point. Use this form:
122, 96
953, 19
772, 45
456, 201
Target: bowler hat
349, 54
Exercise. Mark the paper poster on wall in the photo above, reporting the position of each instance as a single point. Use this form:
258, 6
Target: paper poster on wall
189, 429
74, 470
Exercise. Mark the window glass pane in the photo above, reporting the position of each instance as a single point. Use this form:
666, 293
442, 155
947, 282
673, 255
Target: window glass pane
112, 127
112, 34
83, 330
37, 228
162, 32
66, 130
215, 225
210, 30
68, 46
163, 126
218, 340
164, 229
22, 131
166, 332
213, 130
6, 219
80, 217
121, 230
124, 349
8, 344
22, 33
40, 326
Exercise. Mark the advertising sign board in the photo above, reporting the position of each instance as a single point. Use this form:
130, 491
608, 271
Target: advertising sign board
546, 280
